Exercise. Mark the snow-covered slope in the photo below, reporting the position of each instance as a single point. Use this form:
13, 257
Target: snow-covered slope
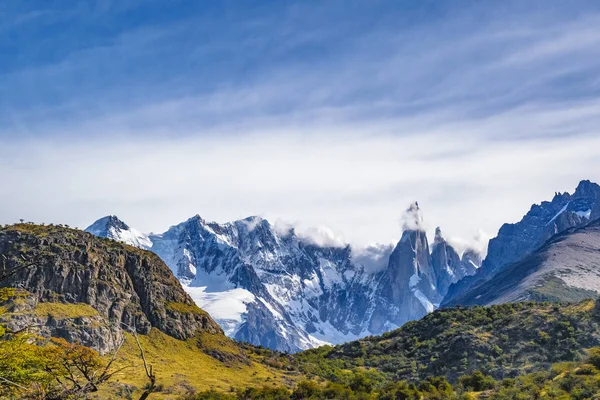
113, 228
289, 294
279, 290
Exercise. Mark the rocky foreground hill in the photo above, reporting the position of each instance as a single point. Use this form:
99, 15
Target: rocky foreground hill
101, 286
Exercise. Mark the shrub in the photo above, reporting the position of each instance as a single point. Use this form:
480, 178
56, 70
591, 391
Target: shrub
477, 381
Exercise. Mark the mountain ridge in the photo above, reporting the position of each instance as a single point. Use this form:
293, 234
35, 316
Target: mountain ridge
291, 293
565, 268
516, 241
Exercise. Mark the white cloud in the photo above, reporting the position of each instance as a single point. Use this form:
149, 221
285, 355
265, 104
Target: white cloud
412, 219
322, 236
351, 183
478, 243
373, 257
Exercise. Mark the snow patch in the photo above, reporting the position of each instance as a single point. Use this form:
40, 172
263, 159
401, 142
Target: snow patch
584, 214
414, 280
429, 307
329, 273
226, 307
562, 210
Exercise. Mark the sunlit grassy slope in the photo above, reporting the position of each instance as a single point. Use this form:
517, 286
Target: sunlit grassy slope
202, 363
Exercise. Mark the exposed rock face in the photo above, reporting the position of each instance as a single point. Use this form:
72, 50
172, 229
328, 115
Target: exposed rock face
471, 261
566, 268
406, 289
516, 241
446, 263
127, 287
79, 325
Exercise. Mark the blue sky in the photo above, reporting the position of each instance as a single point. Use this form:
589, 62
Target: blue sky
315, 112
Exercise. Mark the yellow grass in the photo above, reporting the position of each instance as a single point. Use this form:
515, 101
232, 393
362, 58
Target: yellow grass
64, 310
181, 364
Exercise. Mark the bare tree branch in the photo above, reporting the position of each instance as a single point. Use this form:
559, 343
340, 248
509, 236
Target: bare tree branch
12, 383
114, 356
149, 371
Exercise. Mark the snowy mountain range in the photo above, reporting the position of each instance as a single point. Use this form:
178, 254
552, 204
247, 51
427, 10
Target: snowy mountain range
278, 290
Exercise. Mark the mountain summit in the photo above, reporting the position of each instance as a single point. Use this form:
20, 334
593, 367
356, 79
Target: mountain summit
112, 227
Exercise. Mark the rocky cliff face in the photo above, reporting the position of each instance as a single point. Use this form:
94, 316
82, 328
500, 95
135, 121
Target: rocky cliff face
471, 260
276, 289
406, 289
69, 271
516, 241
447, 264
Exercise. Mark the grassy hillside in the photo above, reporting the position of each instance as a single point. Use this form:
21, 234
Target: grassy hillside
502, 341
564, 381
182, 367
206, 361
527, 350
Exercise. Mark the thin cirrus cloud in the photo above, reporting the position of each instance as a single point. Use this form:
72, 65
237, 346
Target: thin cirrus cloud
317, 113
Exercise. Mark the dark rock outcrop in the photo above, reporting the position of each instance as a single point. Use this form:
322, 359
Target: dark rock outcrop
446, 263
128, 287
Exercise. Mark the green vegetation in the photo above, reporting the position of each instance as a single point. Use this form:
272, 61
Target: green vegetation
502, 341
64, 310
565, 381
512, 351
32, 367
556, 290
207, 362
7, 294
184, 308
